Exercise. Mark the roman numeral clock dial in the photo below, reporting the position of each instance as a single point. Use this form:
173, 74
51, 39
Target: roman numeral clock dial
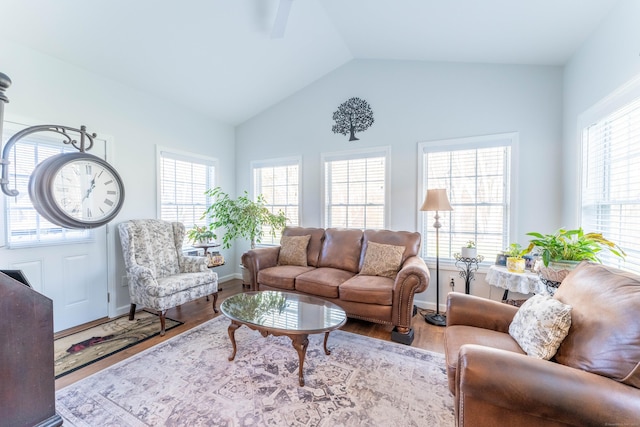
76, 190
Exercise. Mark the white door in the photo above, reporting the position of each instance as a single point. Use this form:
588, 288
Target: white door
72, 273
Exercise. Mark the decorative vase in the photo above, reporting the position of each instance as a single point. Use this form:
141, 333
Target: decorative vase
553, 275
516, 265
468, 252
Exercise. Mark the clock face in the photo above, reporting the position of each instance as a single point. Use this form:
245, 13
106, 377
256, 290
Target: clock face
85, 190
76, 190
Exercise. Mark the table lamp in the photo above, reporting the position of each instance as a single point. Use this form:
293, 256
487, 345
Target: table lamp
436, 200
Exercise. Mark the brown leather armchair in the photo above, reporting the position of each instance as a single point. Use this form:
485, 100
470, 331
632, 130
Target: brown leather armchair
593, 380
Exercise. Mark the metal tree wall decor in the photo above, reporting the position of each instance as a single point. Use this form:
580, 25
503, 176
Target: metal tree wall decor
353, 115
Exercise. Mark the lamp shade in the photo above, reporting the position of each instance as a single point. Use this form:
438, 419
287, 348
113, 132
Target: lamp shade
436, 200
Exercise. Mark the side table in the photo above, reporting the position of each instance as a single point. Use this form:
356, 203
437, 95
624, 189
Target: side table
524, 283
468, 267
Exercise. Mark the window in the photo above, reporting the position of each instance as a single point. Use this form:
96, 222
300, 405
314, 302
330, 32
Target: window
184, 179
355, 189
279, 182
611, 182
476, 172
25, 226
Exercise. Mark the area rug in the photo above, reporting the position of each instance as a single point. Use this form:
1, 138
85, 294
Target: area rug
80, 349
189, 381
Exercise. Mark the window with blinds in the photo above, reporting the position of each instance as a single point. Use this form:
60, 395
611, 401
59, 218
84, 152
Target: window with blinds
184, 180
279, 183
476, 173
355, 189
611, 182
25, 226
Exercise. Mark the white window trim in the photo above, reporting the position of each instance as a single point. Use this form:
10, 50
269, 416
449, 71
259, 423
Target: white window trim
471, 142
384, 151
281, 161
617, 99
185, 155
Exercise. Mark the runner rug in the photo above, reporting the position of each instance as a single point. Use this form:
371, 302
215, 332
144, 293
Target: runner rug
80, 349
189, 381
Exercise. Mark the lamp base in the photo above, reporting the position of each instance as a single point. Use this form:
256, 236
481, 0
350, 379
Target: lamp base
436, 319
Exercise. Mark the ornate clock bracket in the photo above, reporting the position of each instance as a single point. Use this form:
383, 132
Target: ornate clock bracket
85, 144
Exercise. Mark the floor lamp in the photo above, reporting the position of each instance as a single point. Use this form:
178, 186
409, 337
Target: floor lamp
436, 200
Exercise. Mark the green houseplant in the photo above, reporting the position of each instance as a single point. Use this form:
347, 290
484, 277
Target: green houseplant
241, 217
515, 262
200, 234
571, 245
564, 249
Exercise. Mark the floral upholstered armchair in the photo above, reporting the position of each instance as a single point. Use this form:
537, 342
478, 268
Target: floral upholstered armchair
160, 276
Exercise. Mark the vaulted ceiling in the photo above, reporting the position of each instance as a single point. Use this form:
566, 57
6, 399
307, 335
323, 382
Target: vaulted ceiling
219, 57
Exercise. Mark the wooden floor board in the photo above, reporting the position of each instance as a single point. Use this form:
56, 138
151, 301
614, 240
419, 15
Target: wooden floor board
427, 336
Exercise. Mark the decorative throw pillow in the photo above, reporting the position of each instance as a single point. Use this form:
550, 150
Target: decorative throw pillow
540, 325
293, 250
382, 260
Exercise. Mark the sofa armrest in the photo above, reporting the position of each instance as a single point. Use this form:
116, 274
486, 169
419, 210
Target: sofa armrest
492, 382
413, 277
257, 259
470, 310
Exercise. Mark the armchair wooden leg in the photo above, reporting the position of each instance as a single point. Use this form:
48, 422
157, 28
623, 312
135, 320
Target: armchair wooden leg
162, 314
215, 299
132, 311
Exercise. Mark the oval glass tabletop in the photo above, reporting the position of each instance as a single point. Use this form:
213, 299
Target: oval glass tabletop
285, 311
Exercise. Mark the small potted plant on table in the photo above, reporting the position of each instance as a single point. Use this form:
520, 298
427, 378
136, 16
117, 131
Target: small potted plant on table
470, 250
515, 262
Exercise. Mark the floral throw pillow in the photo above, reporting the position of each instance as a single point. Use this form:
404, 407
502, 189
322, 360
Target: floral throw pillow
382, 260
540, 326
293, 250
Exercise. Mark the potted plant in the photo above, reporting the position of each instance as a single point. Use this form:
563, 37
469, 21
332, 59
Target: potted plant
515, 262
469, 251
200, 235
241, 217
563, 250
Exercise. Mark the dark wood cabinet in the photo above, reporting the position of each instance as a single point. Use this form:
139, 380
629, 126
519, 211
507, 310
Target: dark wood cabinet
27, 383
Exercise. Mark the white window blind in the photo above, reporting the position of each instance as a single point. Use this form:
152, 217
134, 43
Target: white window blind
611, 182
476, 175
279, 183
25, 226
183, 183
356, 189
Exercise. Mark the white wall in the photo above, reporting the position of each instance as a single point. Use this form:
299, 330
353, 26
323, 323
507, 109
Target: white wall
48, 91
606, 61
414, 102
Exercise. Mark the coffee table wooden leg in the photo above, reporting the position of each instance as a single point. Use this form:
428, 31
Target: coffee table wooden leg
300, 343
326, 337
232, 335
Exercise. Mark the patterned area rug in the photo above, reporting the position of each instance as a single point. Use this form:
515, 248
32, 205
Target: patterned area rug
188, 381
82, 348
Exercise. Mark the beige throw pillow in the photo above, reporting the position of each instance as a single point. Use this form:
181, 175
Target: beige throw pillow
293, 250
382, 260
540, 326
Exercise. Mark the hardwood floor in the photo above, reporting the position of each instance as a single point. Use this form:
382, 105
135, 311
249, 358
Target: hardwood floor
427, 336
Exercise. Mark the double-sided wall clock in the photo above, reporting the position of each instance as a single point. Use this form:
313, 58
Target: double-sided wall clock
73, 190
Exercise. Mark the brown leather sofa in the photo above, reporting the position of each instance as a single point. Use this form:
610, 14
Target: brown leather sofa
334, 259
593, 379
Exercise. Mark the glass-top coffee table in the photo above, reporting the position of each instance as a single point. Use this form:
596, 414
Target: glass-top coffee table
283, 313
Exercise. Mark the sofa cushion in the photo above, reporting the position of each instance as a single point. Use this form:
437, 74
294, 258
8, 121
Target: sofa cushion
382, 260
368, 289
540, 325
322, 282
341, 249
293, 250
604, 337
282, 276
315, 242
455, 336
